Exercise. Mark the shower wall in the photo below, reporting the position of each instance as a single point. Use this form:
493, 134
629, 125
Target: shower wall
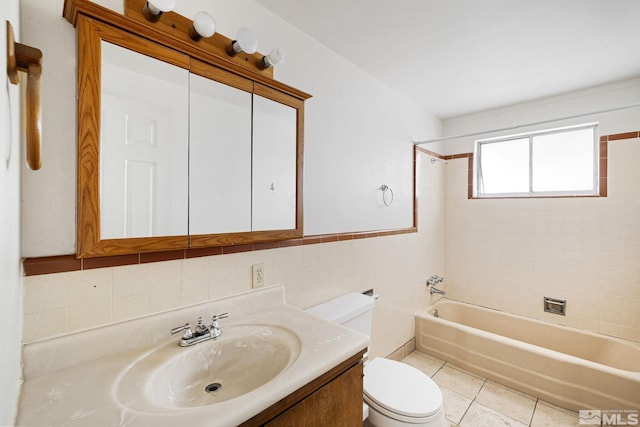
510, 253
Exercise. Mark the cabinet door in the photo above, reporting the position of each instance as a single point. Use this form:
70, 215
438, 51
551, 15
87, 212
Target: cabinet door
274, 186
219, 158
166, 164
339, 403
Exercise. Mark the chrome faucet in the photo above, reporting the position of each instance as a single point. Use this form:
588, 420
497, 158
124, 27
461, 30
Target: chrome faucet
434, 290
201, 332
432, 280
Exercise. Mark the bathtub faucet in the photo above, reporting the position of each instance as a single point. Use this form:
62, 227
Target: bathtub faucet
432, 280
433, 290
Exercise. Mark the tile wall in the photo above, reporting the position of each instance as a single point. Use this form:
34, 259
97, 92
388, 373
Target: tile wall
510, 253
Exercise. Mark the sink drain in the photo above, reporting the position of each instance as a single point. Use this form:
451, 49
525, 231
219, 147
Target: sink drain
213, 387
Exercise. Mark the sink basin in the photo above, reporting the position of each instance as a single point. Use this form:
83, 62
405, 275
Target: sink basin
242, 359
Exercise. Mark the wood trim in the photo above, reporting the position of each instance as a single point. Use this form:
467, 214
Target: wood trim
618, 136
214, 73
470, 162
133, 42
229, 240
429, 152
458, 156
604, 168
88, 217
415, 187
90, 243
66, 263
51, 264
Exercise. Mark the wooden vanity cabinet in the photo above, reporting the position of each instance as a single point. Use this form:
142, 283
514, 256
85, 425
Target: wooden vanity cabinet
332, 399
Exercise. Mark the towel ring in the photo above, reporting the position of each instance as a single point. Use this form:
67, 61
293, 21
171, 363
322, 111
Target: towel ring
385, 189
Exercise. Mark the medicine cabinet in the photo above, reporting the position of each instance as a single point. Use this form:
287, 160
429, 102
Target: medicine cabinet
179, 147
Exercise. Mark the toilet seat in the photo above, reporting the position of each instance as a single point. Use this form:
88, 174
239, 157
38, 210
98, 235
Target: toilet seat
400, 391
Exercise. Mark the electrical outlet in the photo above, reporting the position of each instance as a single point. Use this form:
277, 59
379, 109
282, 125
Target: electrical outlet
258, 275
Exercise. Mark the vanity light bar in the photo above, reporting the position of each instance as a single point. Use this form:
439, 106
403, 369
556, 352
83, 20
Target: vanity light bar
204, 26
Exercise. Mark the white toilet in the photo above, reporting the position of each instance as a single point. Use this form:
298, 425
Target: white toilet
395, 394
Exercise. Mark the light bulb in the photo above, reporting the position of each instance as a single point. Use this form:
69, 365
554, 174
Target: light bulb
162, 5
203, 26
153, 9
245, 42
275, 57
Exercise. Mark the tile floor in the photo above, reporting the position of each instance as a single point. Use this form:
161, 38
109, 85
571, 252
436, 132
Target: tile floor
473, 401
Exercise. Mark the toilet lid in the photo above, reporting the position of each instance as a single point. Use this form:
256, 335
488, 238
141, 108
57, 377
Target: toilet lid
401, 389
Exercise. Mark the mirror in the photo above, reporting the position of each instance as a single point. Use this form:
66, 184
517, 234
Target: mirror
144, 145
220, 157
242, 157
176, 153
274, 159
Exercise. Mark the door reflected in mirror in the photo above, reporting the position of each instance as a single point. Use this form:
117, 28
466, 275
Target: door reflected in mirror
144, 145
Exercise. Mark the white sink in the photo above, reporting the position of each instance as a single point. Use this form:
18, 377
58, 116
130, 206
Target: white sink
242, 359
103, 376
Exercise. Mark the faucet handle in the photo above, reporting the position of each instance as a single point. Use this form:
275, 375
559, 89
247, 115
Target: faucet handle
432, 280
187, 331
215, 317
215, 327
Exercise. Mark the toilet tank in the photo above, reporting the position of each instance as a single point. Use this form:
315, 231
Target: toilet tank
352, 310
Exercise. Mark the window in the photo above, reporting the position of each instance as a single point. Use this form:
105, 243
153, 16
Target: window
557, 162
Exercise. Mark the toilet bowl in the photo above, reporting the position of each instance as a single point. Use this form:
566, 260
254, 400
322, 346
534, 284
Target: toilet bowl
400, 395
397, 395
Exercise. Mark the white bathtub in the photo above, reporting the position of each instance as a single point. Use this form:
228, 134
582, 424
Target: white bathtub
569, 367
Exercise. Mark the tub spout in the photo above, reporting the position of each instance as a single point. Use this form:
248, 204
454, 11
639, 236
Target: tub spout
434, 290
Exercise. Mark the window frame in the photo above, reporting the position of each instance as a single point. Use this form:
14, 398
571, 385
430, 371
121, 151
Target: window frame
477, 164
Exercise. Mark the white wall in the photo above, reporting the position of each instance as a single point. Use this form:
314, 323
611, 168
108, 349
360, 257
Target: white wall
510, 253
49, 197
358, 132
580, 103
10, 263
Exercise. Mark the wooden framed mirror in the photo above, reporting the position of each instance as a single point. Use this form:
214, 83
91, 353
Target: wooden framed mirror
176, 148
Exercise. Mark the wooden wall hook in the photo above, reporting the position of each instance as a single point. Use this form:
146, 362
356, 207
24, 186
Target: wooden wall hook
29, 60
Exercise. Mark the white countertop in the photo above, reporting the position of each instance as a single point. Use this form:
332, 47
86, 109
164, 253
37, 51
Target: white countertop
71, 380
